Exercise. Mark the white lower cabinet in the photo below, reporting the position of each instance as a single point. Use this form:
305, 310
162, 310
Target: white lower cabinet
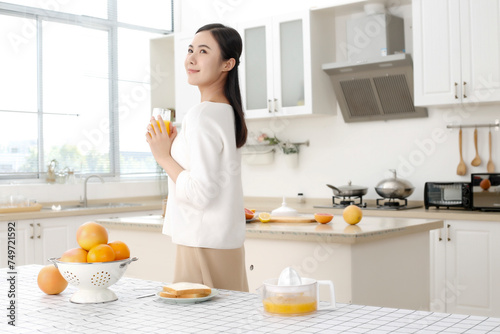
36, 240
465, 268
21, 243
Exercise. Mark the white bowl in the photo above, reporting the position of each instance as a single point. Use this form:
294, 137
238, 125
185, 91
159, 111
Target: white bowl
92, 279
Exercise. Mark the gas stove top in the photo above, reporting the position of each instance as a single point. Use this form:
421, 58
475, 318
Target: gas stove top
391, 204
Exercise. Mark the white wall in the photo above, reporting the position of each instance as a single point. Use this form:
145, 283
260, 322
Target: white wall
420, 149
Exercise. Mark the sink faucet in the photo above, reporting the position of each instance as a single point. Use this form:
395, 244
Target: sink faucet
84, 202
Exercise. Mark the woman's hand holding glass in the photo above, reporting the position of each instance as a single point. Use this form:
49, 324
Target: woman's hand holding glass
160, 134
165, 115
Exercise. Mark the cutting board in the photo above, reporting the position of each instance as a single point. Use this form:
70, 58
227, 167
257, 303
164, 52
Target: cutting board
34, 207
297, 219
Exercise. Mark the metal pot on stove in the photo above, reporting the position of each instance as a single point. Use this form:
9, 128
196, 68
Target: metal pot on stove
394, 187
348, 191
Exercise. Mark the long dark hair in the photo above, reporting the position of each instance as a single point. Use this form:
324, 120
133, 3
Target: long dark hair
231, 46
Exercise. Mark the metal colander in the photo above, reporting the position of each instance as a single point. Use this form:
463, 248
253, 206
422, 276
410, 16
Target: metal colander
92, 279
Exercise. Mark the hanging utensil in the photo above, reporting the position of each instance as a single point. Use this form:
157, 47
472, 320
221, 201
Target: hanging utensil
490, 166
462, 168
477, 160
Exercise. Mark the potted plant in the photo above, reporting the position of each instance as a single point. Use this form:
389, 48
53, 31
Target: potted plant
290, 150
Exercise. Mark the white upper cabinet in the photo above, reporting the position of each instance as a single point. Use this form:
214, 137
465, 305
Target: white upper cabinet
280, 65
456, 51
162, 79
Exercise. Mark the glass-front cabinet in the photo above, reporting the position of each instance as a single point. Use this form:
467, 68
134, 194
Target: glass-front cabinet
281, 71
274, 72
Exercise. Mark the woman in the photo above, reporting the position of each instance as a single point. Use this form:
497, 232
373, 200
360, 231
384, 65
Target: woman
205, 214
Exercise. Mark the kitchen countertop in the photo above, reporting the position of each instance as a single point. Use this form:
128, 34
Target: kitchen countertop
370, 228
271, 203
262, 204
229, 312
139, 204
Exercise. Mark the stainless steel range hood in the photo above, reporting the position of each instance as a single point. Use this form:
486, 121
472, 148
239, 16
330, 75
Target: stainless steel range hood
375, 89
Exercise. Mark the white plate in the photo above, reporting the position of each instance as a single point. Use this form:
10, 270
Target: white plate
214, 293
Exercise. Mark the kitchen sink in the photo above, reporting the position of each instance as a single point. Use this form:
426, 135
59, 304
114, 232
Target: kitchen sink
94, 206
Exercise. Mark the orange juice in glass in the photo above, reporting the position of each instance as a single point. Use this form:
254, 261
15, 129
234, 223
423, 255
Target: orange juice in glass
165, 115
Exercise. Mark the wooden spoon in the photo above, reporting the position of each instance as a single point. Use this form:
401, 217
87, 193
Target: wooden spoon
462, 168
477, 160
490, 166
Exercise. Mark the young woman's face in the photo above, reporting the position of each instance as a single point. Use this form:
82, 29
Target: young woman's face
204, 64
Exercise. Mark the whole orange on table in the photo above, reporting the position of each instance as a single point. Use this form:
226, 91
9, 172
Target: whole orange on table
51, 281
91, 234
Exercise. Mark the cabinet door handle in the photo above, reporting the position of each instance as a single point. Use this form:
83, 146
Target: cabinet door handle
465, 95
456, 90
448, 232
269, 106
440, 238
39, 231
32, 231
275, 105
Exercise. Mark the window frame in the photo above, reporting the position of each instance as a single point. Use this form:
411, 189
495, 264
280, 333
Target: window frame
111, 25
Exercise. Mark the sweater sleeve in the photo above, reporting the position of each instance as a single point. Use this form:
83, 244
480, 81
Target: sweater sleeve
197, 186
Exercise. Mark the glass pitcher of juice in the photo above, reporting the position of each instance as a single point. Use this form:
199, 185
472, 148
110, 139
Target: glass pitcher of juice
165, 115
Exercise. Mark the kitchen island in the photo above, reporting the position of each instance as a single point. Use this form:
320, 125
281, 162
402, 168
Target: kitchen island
380, 262
228, 312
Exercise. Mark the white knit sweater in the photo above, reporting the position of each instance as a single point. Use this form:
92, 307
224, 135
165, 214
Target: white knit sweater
205, 205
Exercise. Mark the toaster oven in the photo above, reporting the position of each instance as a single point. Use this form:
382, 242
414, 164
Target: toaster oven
448, 195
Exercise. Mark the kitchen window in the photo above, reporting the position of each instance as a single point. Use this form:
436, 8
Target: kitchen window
75, 85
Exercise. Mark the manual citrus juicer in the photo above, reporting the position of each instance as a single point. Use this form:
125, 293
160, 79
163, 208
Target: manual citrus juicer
292, 295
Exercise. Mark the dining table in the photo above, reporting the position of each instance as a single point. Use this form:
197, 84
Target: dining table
139, 309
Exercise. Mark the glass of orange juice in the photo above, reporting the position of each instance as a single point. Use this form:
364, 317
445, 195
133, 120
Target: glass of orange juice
165, 115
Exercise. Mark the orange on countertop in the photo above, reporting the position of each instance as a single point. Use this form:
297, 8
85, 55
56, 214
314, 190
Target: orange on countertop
323, 218
249, 214
352, 214
51, 281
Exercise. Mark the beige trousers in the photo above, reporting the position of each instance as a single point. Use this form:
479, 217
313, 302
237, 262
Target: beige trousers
216, 268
